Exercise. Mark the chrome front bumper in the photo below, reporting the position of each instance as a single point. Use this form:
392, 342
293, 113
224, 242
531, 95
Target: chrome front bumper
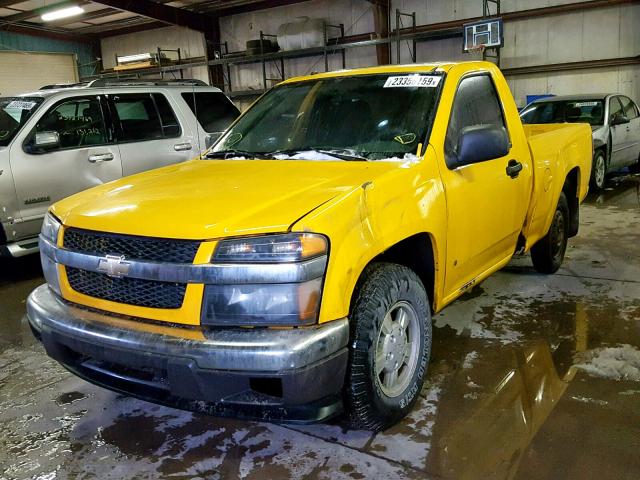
281, 374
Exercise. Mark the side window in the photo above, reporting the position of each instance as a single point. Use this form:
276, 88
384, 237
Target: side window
144, 116
614, 107
213, 110
476, 103
170, 125
629, 108
78, 122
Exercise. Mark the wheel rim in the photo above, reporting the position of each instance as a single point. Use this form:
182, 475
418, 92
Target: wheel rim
397, 349
558, 235
600, 168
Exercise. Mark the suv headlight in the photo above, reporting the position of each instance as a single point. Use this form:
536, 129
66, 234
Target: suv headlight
49, 232
278, 282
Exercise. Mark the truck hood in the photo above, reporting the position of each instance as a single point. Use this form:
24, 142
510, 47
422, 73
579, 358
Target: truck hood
206, 199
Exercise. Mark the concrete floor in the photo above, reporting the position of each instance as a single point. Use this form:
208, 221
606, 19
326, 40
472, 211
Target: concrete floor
531, 377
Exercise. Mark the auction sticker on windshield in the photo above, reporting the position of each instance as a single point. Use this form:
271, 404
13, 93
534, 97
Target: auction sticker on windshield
413, 81
21, 105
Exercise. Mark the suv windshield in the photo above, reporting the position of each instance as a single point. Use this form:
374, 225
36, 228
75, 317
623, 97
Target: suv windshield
368, 117
14, 113
570, 111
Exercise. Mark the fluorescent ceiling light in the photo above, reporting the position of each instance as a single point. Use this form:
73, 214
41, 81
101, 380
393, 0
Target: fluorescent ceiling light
139, 57
62, 13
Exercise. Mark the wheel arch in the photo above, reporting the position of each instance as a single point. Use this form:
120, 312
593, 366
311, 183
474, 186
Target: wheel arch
571, 189
416, 252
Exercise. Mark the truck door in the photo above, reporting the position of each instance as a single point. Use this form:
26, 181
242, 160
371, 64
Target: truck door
486, 206
69, 149
149, 133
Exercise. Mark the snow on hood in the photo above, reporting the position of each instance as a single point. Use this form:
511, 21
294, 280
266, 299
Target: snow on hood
313, 155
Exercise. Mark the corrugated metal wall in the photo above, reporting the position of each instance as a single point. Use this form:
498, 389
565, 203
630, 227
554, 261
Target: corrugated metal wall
26, 43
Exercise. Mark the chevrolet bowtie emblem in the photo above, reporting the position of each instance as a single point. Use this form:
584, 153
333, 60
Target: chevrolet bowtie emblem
114, 266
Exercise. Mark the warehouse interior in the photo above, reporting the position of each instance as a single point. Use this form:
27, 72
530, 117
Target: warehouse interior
530, 375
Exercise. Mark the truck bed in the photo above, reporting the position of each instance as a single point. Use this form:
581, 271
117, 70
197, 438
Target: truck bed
556, 148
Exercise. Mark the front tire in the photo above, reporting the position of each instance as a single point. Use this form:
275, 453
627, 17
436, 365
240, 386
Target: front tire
548, 253
598, 170
390, 346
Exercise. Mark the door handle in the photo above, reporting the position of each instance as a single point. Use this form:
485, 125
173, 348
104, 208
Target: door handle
181, 147
514, 168
100, 157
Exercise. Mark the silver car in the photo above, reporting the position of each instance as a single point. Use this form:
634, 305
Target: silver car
58, 141
614, 119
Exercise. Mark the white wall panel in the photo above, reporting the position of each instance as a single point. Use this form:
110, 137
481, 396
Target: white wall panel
22, 72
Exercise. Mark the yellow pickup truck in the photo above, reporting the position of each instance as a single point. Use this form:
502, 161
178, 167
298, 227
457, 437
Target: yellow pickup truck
292, 272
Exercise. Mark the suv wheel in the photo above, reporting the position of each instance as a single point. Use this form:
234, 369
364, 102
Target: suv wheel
390, 346
548, 253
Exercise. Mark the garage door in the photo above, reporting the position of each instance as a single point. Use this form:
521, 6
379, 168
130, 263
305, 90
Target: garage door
24, 72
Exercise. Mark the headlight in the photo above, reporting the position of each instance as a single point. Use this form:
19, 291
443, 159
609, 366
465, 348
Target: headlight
49, 232
275, 301
291, 247
50, 228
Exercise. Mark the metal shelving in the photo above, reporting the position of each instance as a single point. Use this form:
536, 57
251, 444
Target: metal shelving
333, 46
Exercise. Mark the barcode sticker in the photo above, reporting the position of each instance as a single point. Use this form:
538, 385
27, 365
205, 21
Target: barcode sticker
22, 105
413, 81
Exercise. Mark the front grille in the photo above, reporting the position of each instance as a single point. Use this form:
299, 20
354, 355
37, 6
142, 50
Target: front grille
132, 247
131, 291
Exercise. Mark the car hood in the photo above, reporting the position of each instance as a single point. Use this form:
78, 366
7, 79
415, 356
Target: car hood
206, 199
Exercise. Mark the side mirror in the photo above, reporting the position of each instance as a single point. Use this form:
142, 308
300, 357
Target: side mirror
479, 143
211, 138
46, 140
619, 119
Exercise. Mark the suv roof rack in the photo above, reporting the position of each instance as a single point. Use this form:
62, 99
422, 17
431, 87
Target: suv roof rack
132, 82
127, 82
64, 85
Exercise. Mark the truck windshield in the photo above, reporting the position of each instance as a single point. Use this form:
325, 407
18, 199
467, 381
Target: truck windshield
370, 117
569, 111
14, 112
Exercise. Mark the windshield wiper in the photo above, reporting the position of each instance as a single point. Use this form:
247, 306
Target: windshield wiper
341, 154
224, 154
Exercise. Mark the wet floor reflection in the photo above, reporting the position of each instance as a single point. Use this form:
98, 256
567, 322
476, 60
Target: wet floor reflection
495, 405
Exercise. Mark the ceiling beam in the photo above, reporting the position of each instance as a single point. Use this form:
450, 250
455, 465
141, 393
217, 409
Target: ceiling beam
8, 3
164, 13
39, 31
118, 28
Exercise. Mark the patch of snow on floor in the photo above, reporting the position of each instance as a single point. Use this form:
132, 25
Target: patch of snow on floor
470, 359
617, 363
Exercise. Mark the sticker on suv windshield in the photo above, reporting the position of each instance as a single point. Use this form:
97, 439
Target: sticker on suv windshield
22, 105
585, 104
413, 81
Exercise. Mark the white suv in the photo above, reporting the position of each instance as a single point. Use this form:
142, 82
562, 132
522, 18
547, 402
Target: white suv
60, 140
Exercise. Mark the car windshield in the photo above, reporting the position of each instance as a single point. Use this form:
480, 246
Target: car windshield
370, 117
569, 111
14, 112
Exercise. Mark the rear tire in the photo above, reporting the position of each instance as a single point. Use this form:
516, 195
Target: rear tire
548, 253
390, 346
598, 170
